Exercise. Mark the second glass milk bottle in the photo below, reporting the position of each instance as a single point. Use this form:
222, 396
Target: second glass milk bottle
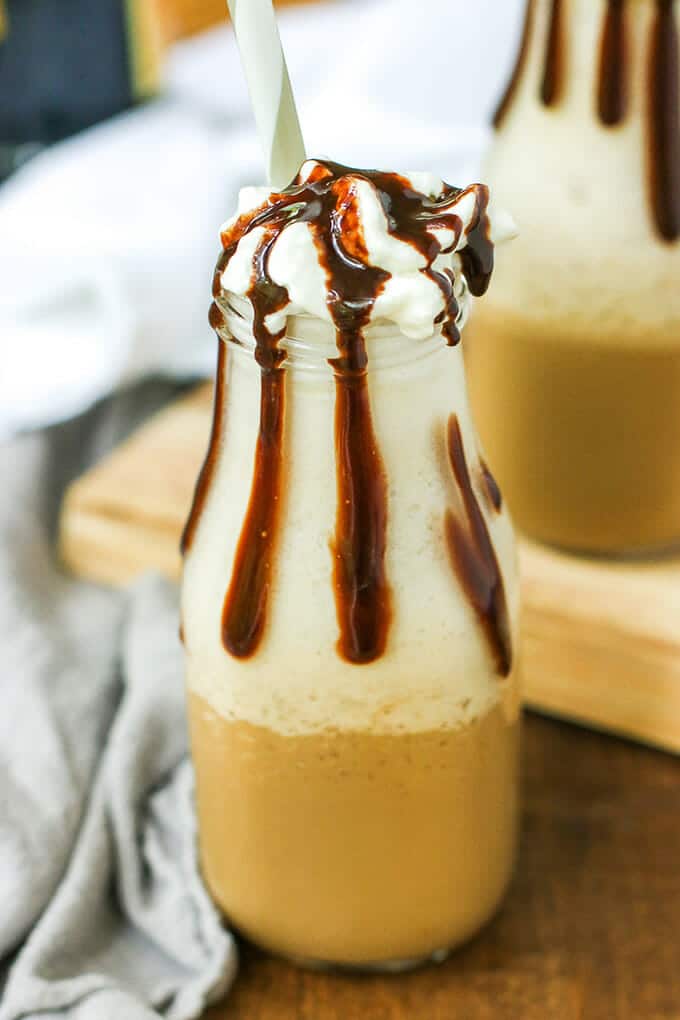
574, 360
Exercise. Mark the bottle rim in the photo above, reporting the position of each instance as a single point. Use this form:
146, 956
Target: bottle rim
310, 342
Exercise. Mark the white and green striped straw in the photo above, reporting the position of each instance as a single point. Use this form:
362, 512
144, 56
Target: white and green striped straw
259, 43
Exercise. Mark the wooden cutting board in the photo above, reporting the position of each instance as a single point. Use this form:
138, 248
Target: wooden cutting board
601, 641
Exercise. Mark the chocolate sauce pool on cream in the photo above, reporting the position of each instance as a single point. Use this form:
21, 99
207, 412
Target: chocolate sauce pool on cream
326, 201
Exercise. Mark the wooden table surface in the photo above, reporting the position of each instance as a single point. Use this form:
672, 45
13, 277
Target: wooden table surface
589, 931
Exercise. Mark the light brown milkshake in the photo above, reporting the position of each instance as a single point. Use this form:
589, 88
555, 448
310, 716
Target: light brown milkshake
574, 360
350, 601
588, 435
356, 846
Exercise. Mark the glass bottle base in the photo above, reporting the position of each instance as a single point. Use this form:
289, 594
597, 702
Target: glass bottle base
625, 554
379, 967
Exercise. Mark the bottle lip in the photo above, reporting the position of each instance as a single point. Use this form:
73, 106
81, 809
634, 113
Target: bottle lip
310, 341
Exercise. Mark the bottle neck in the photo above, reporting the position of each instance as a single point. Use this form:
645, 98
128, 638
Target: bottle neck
310, 343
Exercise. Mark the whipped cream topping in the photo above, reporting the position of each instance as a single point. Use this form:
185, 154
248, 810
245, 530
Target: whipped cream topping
425, 242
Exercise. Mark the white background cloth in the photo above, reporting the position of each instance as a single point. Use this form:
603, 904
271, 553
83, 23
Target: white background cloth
107, 241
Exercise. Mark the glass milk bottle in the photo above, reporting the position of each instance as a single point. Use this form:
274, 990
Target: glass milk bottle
350, 599
574, 360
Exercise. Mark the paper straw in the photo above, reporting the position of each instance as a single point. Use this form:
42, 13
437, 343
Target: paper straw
259, 43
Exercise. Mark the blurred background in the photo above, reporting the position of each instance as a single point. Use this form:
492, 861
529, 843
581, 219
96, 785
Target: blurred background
125, 133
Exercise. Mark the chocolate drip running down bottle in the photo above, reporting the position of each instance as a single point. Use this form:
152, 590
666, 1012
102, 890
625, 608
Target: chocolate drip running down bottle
350, 601
574, 360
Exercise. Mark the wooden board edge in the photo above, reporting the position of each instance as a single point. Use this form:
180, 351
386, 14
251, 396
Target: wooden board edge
641, 701
83, 536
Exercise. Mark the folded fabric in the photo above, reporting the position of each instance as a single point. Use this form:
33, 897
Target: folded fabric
97, 835
107, 241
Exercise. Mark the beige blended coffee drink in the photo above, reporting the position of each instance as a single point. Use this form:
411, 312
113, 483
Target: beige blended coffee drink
350, 599
574, 361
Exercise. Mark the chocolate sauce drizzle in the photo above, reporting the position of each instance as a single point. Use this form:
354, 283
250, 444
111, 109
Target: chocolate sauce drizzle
509, 94
207, 471
612, 89
363, 601
491, 488
612, 103
245, 604
327, 202
553, 69
473, 557
664, 122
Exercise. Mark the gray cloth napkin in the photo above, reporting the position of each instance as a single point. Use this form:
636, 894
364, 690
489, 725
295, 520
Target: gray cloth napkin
101, 903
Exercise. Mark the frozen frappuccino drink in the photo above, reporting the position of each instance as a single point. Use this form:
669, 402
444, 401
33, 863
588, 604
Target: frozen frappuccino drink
350, 599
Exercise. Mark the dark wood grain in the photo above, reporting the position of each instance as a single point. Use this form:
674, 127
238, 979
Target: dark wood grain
590, 930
